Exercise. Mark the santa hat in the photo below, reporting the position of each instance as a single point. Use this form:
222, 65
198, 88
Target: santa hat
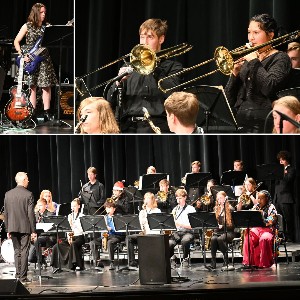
119, 186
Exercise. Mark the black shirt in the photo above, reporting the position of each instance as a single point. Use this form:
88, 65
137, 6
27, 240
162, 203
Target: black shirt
142, 91
92, 194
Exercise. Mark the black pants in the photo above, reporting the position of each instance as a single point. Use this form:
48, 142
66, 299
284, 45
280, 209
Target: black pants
21, 242
219, 242
286, 210
185, 238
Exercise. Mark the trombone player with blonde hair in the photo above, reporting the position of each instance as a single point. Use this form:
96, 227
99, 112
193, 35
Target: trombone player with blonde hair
138, 91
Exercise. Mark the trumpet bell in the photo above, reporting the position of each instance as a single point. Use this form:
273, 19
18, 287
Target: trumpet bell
143, 59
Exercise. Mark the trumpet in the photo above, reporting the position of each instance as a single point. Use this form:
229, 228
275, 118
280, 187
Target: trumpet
225, 59
142, 59
162, 196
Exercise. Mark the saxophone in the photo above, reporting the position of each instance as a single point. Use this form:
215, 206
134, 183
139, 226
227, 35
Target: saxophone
104, 240
147, 118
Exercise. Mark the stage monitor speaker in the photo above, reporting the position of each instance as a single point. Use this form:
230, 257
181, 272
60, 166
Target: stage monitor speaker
12, 287
66, 100
154, 259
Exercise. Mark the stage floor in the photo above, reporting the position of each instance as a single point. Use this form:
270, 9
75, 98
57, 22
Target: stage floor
195, 282
51, 127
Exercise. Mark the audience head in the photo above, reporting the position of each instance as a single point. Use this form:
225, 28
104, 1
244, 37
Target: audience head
294, 54
290, 106
182, 110
100, 117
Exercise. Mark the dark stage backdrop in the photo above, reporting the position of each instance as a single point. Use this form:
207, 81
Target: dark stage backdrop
58, 163
107, 30
14, 13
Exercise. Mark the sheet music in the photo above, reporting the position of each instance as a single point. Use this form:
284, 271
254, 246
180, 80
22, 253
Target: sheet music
44, 226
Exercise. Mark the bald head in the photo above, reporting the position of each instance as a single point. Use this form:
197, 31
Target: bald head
22, 179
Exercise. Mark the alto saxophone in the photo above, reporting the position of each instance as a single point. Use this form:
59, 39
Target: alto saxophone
104, 240
147, 118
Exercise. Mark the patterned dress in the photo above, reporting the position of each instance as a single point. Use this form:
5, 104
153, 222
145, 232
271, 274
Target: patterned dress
44, 76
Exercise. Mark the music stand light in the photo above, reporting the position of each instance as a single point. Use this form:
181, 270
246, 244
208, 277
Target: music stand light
127, 223
214, 110
52, 35
201, 220
161, 221
248, 218
60, 224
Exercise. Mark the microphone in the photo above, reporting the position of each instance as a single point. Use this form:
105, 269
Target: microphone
80, 183
127, 72
285, 117
81, 120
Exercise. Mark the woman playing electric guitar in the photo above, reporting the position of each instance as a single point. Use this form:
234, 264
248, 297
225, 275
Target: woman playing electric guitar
44, 74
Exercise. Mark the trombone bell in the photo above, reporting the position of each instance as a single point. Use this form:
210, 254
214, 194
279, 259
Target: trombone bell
224, 60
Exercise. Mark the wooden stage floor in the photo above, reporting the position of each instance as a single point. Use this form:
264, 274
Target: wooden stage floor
195, 282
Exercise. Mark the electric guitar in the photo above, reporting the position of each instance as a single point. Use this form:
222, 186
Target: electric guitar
34, 57
18, 108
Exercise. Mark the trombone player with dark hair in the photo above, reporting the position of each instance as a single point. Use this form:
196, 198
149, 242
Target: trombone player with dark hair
258, 76
138, 91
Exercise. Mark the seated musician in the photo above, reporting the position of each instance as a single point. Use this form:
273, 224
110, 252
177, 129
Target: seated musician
166, 199
261, 238
122, 201
70, 250
43, 240
51, 205
149, 207
206, 201
224, 234
248, 197
184, 234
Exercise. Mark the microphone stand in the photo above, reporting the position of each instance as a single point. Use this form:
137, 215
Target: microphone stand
227, 268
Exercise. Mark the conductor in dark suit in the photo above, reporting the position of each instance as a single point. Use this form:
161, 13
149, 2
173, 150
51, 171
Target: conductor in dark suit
20, 222
283, 197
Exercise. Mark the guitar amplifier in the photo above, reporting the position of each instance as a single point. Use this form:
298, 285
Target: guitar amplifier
66, 100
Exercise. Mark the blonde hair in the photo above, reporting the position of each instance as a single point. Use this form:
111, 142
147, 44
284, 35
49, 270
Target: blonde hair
291, 103
159, 26
181, 193
153, 203
293, 46
218, 210
50, 204
107, 121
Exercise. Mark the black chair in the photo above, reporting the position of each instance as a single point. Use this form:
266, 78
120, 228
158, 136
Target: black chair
280, 239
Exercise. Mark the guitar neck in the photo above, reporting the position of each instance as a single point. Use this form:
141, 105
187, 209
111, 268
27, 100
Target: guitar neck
20, 78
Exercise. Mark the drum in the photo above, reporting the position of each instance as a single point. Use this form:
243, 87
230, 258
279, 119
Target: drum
7, 251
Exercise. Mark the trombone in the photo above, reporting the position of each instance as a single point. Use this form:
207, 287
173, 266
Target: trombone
225, 59
142, 59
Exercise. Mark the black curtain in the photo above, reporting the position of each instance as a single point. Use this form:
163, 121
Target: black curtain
14, 13
58, 163
107, 30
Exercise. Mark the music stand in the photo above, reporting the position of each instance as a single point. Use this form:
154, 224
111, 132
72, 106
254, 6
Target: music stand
64, 209
203, 219
89, 201
270, 173
53, 34
151, 181
214, 110
161, 221
126, 223
226, 188
248, 218
136, 197
39, 258
233, 178
93, 223
60, 224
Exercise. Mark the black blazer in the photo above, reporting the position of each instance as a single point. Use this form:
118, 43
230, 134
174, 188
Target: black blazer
19, 210
284, 188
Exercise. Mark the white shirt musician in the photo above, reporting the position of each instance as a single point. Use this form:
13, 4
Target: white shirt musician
184, 234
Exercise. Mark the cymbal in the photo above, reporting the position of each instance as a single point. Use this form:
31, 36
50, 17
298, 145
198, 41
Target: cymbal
1, 216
